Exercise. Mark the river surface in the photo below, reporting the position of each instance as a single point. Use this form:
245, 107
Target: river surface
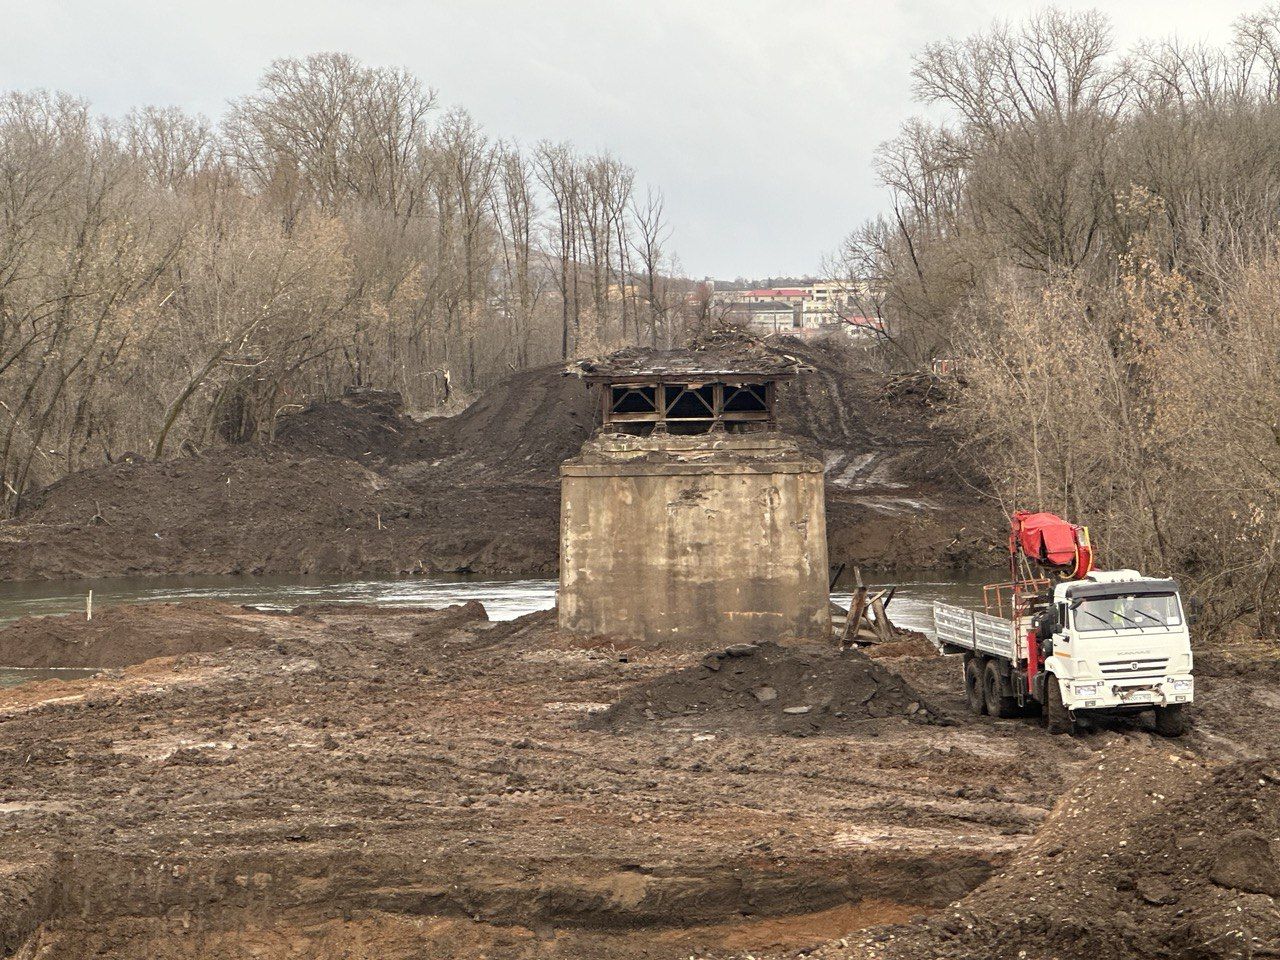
912, 605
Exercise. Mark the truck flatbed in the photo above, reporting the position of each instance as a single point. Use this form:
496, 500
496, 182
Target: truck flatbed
968, 630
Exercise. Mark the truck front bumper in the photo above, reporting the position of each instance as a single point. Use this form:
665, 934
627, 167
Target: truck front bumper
1112, 694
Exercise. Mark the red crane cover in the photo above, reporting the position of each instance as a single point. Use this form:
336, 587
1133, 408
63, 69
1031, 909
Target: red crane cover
1047, 538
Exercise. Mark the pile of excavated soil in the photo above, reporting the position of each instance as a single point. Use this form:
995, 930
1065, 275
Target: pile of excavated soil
1151, 856
910, 643
353, 486
767, 688
250, 510
362, 424
525, 427
118, 636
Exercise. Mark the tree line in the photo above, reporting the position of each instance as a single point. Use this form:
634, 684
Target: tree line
1091, 237
167, 282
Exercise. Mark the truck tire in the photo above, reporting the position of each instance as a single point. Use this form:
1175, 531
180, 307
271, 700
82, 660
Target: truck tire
997, 704
1171, 721
973, 686
1057, 718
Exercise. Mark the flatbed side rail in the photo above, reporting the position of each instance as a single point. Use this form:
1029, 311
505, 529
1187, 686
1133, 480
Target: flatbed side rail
971, 630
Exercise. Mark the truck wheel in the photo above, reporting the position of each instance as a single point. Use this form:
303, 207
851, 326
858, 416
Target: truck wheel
997, 705
1057, 718
973, 686
1171, 721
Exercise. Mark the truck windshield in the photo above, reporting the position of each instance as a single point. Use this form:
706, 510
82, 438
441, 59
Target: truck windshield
1128, 612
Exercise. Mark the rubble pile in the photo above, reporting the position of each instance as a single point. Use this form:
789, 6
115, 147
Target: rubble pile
767, 688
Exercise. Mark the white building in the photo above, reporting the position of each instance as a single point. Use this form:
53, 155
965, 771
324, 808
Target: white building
820, 307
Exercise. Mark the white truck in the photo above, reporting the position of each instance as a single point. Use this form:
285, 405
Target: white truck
1113, 641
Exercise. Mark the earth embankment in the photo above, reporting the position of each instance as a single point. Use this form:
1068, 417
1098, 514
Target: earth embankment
355, 486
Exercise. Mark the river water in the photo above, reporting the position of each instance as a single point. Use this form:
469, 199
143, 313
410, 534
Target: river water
504, 599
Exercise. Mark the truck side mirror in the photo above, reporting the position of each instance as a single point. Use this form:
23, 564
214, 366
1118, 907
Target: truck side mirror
1047, 624
1195, 607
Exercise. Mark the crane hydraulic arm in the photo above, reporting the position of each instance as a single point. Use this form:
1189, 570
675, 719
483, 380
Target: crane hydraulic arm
1050, 542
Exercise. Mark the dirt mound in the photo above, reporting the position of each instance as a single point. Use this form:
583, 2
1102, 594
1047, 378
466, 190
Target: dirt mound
236, 510
1152, 855
257, 511
118, 636
534, 420
354, 486
768, 688
911, 643
527, 425
363, 424
1212, 878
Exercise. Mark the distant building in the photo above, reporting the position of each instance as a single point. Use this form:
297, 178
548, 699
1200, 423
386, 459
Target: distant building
818, 308
864, 326
765, 316
791, 295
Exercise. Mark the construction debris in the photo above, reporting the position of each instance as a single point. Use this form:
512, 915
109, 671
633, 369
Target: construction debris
867, 619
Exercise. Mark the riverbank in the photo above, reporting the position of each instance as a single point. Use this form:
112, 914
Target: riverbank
355, 487
915, 592
394, 783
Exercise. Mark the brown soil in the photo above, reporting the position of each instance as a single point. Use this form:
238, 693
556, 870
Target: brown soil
118, 636
910, 644
1160, 850
1153, 854
749, 688
363, 424
365, 783
396, 784
352, 486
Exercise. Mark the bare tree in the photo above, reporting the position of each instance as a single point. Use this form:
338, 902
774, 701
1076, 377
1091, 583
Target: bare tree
167, 284
651, 238
557, 169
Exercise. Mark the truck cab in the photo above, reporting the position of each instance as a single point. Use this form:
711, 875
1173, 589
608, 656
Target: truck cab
1117, 640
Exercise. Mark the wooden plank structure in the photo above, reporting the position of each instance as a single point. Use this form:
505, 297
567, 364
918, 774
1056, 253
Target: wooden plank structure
697, 390
662, 402
867, 620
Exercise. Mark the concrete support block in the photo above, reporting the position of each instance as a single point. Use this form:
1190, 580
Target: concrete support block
702, 540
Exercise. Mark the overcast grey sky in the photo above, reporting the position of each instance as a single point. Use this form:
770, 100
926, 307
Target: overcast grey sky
757, 118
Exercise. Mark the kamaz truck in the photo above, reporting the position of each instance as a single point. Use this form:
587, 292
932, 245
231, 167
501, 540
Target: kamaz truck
1091, 642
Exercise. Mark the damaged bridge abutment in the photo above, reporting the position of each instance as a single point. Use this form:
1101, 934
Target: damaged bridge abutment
703, 538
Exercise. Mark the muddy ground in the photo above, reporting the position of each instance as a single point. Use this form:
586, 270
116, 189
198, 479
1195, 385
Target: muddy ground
354, 486
365, 783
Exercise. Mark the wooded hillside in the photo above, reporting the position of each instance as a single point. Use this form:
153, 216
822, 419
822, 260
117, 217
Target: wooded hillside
167, 281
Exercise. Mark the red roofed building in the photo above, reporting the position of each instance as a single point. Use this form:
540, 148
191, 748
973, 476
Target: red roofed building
783, 295
864, 325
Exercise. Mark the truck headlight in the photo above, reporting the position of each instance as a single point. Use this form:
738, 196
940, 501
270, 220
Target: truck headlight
1085, 689
1183, 684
